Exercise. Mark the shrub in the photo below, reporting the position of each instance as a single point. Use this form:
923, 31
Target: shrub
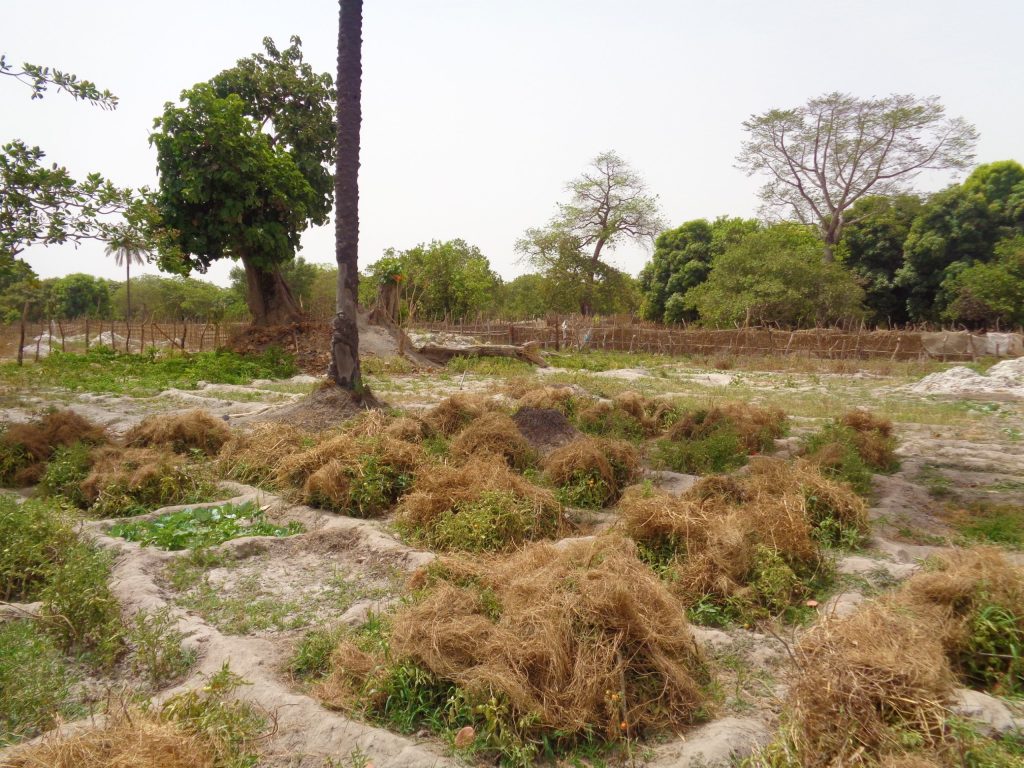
719, 439
82, 613
66, 471
550, 645
592, 472
181, 432
157, 652
35, 683
35, 537
495, 500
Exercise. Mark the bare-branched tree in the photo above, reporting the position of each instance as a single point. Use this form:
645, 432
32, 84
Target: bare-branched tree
823, 157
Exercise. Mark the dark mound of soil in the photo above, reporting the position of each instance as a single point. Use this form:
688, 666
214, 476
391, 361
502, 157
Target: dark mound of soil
544, 428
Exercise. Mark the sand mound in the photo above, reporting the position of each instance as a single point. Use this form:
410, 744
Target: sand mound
1004, 379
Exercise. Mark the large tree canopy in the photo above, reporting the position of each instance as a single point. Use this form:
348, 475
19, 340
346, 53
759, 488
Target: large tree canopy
682, 259
610, 204
821, 158
989, 295
872, 248
243, 172
957, 228
776, 277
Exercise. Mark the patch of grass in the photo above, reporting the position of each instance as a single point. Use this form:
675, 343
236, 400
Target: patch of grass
939, 486
132, 481
103, 370
183, 573
833, 449
984, 522
493, 521
65, 471
203, 527
35, 682
381, 366
489, 366
156, 648
722, 451
247, 608
312, 657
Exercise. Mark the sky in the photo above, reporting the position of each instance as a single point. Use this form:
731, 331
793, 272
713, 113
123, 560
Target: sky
477, 112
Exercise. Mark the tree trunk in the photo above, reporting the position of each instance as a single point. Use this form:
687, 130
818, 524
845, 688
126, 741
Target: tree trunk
344, 369
268, 296
587, 299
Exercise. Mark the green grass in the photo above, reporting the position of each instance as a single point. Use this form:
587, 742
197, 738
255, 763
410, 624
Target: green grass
993, 524
247, 609
36, 682
34, 535
157, 653
65, 471
202, 527
720, 451
489, 366
102, 370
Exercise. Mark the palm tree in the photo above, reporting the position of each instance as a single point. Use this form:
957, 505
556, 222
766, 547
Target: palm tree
344, 370
127, 251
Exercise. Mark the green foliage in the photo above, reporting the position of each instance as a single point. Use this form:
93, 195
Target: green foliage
35, 682
584, 489
156, 648
202, 527
994, 523
492, 522
169, 480
720, 451
839, 458
489, 366
682, 260
230, 725
872, 249
101, 370
993, 658
82, 613
66, 470
989, 295
376, 486
611, 422
34, 538
40, 78
312, 659
177, 298
439, 280
776, 276
526, 297
957, 228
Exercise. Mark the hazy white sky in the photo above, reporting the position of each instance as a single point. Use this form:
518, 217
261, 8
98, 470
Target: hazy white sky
476, 112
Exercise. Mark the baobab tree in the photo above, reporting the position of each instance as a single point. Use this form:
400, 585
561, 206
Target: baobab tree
344, 368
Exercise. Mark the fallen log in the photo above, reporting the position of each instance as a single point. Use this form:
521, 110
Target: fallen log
440, 355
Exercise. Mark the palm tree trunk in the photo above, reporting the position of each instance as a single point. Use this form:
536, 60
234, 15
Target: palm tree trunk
344, 369
128, 302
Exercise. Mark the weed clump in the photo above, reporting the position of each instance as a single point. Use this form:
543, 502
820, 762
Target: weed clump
181, 432
493, 434
719, 439
592, 472
25, 448
129, 481
499, 509
552, 645
35, 536
853, 448
562, 399
202, 527
65, 472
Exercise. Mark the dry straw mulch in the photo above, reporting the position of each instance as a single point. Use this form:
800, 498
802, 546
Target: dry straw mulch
25, 448
572, 637
611, 463
493, 434
181, 432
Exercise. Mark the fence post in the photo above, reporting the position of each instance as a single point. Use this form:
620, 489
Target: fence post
21, 343
86, 333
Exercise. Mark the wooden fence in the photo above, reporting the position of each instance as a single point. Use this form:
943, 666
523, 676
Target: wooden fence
39, 339
578, 333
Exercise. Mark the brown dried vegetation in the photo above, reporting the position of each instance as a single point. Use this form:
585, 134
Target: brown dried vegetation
493, 434
25, 448
605, 465
181, 432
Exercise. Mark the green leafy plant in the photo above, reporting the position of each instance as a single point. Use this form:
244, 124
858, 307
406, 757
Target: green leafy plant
35, 536
64, 473
202, 527
720, 451
491, 522
156, 647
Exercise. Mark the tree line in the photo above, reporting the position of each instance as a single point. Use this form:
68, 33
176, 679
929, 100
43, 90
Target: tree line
244, 163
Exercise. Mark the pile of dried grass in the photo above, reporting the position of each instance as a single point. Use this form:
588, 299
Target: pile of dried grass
756, 427
562, 399
973, 601
136, 739
597, 468
493, 434
482, 504
409, 428
867, 683
181, 432
572, 639
456, 412
131, 480
751, 540
652, 413
252, 456
25, 448
629, 415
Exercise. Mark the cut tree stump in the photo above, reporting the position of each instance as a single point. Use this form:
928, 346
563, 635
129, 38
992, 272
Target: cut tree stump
528, 353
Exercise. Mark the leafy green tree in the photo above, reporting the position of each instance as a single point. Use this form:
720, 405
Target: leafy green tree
299, 275
957, 228
77, 295
776, 277
872, 248
18, 284
610, 204
821, 158
989, 295
243, 172
39, 78
682, 259
525, 297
